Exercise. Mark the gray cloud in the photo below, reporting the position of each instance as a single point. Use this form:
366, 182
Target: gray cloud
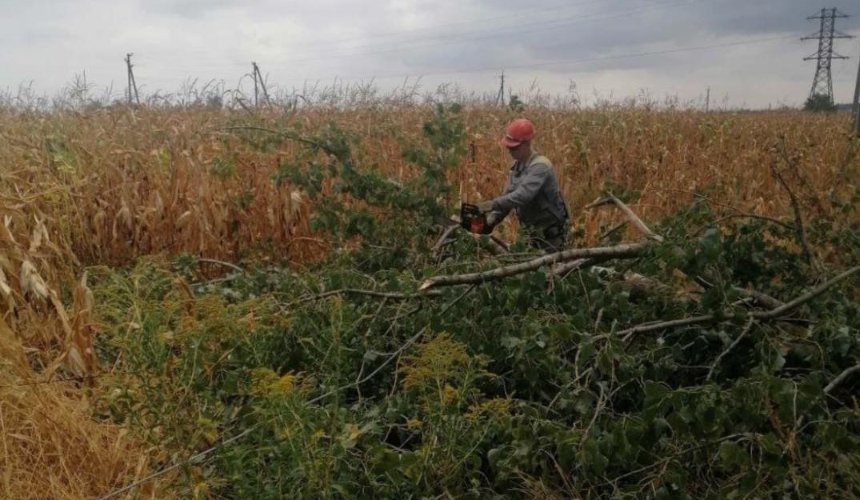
466, 42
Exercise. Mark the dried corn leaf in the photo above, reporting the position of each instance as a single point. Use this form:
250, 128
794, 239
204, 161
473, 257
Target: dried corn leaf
31, 282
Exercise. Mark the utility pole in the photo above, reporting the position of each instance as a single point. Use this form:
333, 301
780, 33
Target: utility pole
259, 84
708, 100
256, 91
822, 83
855, 109
500, 98
132, 85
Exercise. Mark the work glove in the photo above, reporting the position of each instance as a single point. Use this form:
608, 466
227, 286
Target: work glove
492, 218
485, 206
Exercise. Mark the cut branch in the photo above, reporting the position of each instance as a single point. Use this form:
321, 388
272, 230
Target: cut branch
446, 237
761, 315
565, 268
667, 325
743, 334
222, 263
752, 216
492, 244
841, 378
815, 292
762, 298
795, 206
356, 291
635, 219
616, 252
611, 198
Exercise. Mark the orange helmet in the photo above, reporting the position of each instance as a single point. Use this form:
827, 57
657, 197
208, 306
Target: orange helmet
518, 131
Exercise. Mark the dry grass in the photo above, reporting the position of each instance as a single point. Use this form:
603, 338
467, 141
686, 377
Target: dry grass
50, 447
109, 186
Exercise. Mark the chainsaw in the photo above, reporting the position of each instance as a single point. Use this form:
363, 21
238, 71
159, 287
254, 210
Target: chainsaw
472, 220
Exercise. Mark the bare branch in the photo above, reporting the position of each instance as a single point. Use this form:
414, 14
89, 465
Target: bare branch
356, 291
611, 198
616, 252
762, 298
222, 263
753, 216
743, 334
666, 325
492, 244
841, 378
605, 200
446, 234
634, 218
565, 268
613, 230
795, 206
815, 292
761, 315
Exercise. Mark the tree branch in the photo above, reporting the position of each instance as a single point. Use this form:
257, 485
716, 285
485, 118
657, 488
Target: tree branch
841, 378
635, 219
611, 198
616, 252
761, 315
356, 291
752, 216
222, 263
795, 206
815, 292
445, 237
565, 268
743, 334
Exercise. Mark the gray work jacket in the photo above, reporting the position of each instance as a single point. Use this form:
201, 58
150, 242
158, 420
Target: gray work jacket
532, 190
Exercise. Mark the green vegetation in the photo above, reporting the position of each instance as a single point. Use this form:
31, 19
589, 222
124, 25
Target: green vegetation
341, 380
819, 102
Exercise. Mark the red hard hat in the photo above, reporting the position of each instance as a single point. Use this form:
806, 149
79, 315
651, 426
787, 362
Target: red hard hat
518, 131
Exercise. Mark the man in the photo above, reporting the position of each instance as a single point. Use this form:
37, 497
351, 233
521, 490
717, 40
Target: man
532, 191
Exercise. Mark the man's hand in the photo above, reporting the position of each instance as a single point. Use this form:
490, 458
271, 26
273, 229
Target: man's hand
485, 206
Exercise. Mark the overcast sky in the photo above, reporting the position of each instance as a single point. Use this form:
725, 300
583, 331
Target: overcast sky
747, 51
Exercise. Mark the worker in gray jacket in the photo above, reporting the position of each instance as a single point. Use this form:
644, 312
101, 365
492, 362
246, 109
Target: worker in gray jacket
532, 191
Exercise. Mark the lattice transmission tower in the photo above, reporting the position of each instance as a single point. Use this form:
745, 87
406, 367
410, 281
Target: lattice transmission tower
822, 84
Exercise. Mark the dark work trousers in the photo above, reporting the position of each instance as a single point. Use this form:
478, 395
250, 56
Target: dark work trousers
550, 239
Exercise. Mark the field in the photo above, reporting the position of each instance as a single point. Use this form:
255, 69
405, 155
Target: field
211, 303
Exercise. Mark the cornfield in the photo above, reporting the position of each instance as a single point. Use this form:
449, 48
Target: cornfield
112, 186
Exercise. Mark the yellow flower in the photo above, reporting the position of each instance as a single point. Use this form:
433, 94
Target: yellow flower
285, 384
449, 394
492, 408
265, 382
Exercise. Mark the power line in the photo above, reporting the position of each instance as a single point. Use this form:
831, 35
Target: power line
568, 61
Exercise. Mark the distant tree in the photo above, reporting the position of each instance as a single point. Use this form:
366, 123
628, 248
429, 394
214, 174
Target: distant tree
214, 101
819, 102
515, 103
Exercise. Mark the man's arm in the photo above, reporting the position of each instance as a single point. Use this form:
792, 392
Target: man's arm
533, 180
